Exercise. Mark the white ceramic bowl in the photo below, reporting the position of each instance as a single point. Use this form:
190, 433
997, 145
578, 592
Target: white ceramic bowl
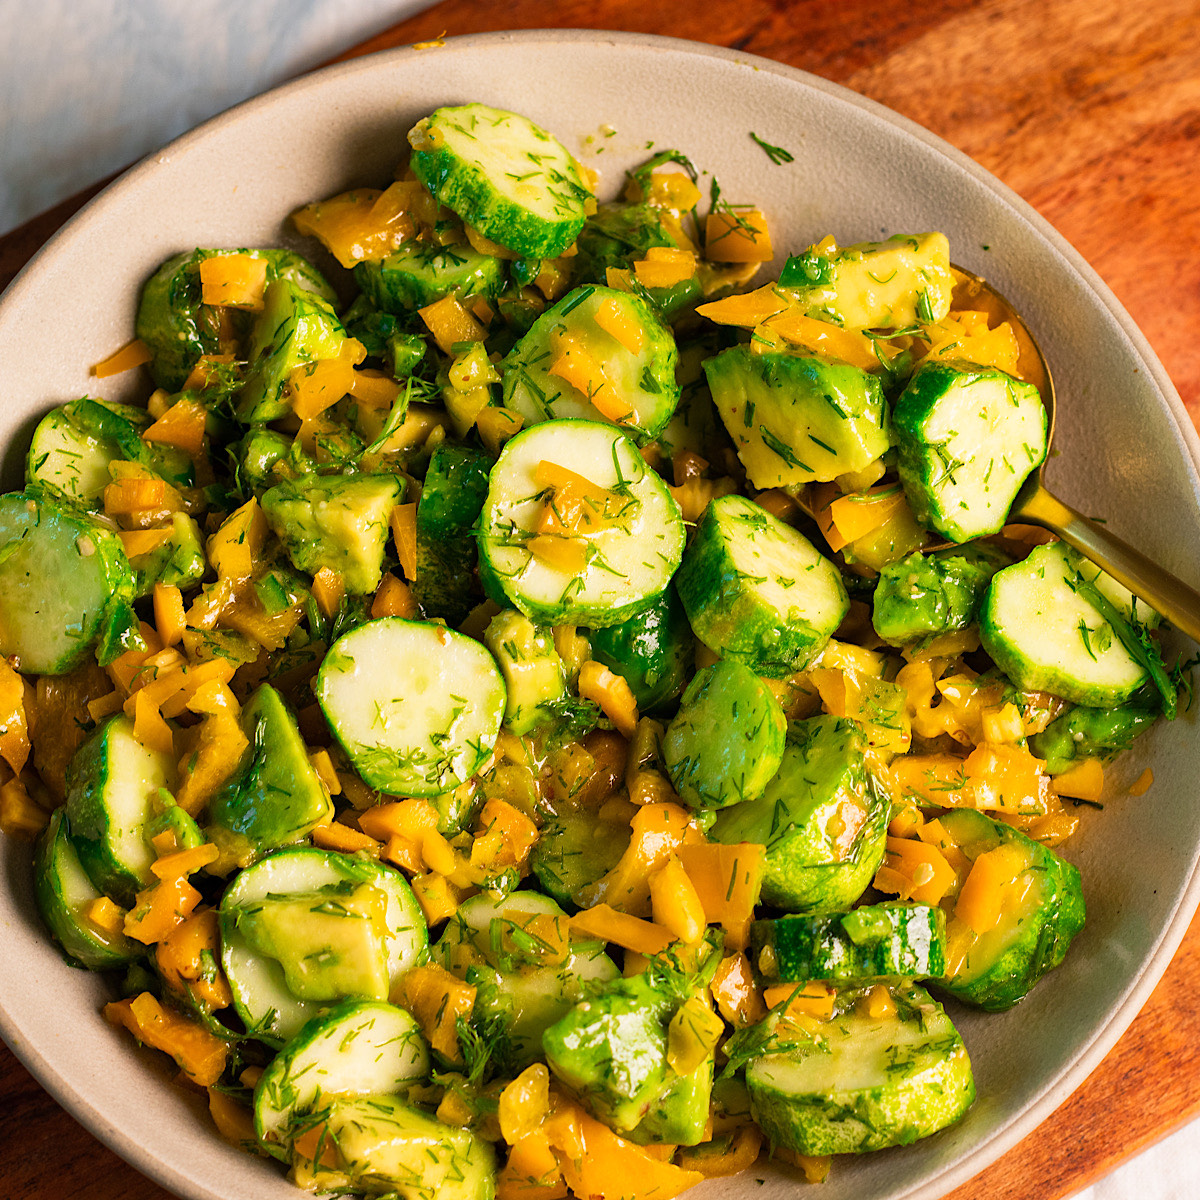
1128, 452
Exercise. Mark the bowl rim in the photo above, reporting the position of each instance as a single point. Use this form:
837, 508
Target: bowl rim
1056, 1089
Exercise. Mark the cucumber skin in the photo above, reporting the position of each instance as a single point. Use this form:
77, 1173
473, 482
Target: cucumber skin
1102, 733
574, 851
167, 317
864, 1119
916, 466
82, 947
652, 651
1014, 974
728, 617
465, 189
396, 288
819, 947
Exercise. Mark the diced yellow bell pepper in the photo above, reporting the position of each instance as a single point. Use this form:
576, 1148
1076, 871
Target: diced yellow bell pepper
233, 281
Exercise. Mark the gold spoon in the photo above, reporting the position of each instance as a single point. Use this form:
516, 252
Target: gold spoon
1034, 505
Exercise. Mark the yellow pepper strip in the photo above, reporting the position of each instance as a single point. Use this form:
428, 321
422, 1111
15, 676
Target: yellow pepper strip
692, 1035
19, 816
815, 999
820, 337
630, 933
675, 904
237, 544
169, 617
575, 366
664, 267
234, 1121
496, 426
149, 728
131, 355
437, 999
737, 236
124, 497
393, 598
1141, 785
403, 521
735, 992
747, 309
438, 897
182, 426
525, 1103
159, 909
233, 281
183, 863
532, 1171
1084, 781
612, 692
328, 588
915, 871
451, 324
186, 958
105, 915
364, 225
565, 554
620, 325
326, 772
878, 1003
14, 723
211, 759
729, 1155
728, 880
316, 386
504, 836
343, 839
981, 901
208, 367
816, 1170
201, 1055
137, 542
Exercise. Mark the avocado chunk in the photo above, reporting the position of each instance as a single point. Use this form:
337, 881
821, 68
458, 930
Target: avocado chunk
534, 674
874, 285
577, 848
1090, 733
179, 562
330, 942
295, 328
336, 521
274, 797
925, 595
726, 742
797, 418
821, 819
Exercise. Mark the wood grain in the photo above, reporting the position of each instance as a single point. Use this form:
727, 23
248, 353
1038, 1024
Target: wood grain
1090, 110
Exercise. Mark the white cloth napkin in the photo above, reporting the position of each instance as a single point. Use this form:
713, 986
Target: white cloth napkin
89, 86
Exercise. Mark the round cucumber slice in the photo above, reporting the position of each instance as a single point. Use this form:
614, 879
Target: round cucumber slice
504, 176
322, 881
113, 784
63, 580
861, 1082
416, 706
627, 561
1047, 637
823, 822
576, 848
726, 742
628, 362
874, 941
357, 1048
67, 461
757, 591
63, 890
420, 273
968, 437
1042, 913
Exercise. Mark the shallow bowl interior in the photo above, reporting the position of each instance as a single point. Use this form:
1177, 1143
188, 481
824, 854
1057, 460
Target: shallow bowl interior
1128, 453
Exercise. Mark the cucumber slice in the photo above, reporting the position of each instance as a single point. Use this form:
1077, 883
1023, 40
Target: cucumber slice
178, 328
502, 174
336, 521
274, 796
629, 562
874, 941
861, 1083
269, 1009
121, 426
388, 1148
534, 675
1090, 733
636, 374
421, 273
652, 651
357, 1048
517, 990
295, 327
65, 583
63, 891
874, 285
726, 742
797, 419
113, 784
416, 706
66, 462
576, 848
617, 235
926, 595
1042, 911
455, 487
757, 591
1047, 638
968, 438
823, 822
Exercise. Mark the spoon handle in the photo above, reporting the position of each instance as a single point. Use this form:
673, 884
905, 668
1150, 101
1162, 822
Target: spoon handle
1168, 596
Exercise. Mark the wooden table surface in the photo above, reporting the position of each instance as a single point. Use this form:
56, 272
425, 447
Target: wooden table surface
1090, 110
